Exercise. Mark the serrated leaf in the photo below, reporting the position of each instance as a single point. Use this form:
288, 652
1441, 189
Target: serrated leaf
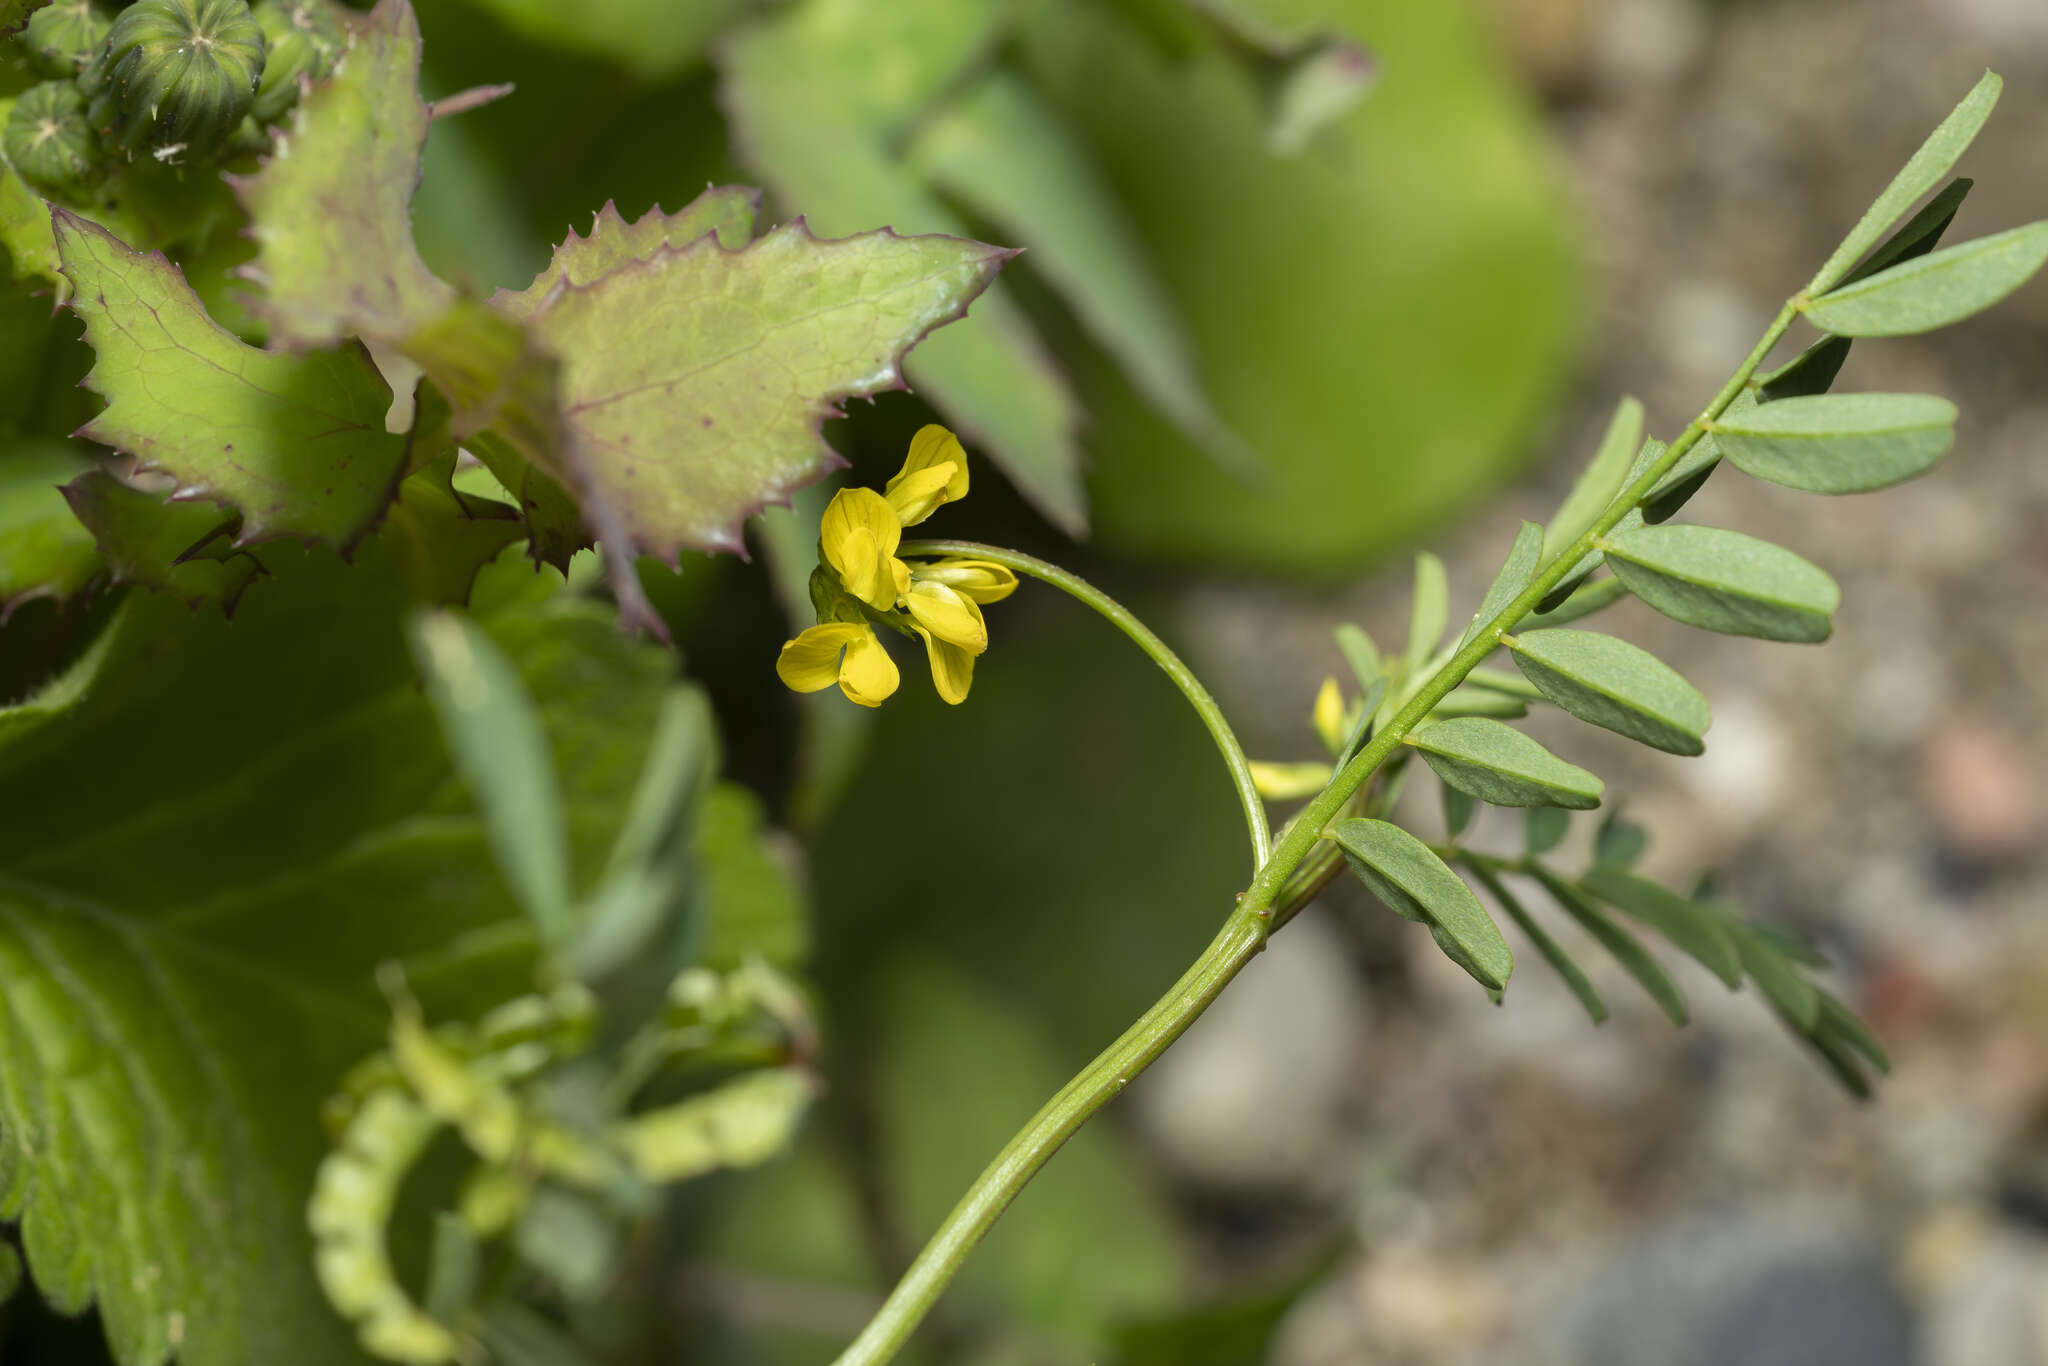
996, 148
1553, 953
820, 97
441, 541
1543, 829
1516, 573
1778, 979
1943, 148
1611, 683
279, 771
44, 552
1582, 602
1622, 946
1931, 291
1501, 766
184, 549
1699, 930
1602, 478
724, 212
295, 444
1414, 883
1429, 610
1839, 443
1724, 581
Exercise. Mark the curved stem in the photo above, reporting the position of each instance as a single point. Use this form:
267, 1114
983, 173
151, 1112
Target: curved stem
1274, 894
1120, 616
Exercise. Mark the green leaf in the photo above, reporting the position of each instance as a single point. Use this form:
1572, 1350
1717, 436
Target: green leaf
1543, 829
10, 1272
25, 229
1777, 978
1807, 374
1622, 946
755, 907
453, 1269
1724, 581
1459, 808
295, 444
1934, 290
1943, 148
183, 549
1588, 563
1500, 765
1361, 654
1516, 573
1839, 1024
44, 552
190, 971
1692, 469
1920, 235
1414, 883
1429, 611
1611, 683
1699, 930
1469, 701
1582, 602
653, 39
1619, 842
998, 150
495, 736
725, 212
441, 540
565, 1237
1601, 480
1841, 443
1553, 954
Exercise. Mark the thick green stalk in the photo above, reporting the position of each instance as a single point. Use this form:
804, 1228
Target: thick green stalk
1275, 886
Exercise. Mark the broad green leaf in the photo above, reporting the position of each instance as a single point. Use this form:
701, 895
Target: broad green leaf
1943, 148
1608, 682
1920, 234
1516, 573
1500, 765
1934, 290
1543, 829
1000, 152
1553, 954
441, 540
189, 972
1807, 374
1776, 977
1602, 478
1414, 883
1839, 443
1724, 581
1700, 930
44, 552
1622, 946
725, 212
754, 907
1692, 469
1501, 681
295, 444
1428, 612
25, 230
183, 549
819, 96
495, 736
1582, 602
653, 39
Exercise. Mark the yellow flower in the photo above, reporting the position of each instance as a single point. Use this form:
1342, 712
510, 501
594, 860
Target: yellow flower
935, 472
842, 652
859, 535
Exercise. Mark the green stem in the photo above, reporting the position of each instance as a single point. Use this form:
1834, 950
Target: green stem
1275, 891
1120, 616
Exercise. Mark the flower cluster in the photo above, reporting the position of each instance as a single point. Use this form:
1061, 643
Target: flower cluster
860, 584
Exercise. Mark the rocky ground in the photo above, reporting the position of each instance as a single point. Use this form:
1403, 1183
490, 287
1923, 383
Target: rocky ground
1525, 1187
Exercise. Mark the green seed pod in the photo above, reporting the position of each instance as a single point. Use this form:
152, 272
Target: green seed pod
62, 38
175, 78
49, 141
304, 38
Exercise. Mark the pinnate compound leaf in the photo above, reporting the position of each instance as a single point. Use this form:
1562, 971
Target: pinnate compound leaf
1500, 765
1943, 148
1414, 883
185, 976
1553, 953
1794, 997
1622, 946
1700, 930
295, 444
1465, 700
186, 550
1725, 581
1931, 291
44, 552
1611, 683
1601, 479
1516, 573
1588, 562
1839, 443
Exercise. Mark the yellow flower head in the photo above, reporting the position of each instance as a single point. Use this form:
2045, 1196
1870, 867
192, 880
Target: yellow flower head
862, 584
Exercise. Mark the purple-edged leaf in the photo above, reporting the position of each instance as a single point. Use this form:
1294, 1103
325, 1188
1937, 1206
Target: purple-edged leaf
184, 549
724, 211
295, 444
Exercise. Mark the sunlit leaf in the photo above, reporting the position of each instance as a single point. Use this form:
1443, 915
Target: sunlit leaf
1935, 290
1700, 930
1500, 765
1608, 682
1839, 443
1724, 581
1414, 883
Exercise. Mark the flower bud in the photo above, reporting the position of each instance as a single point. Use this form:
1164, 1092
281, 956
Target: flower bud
175, 78
302, 38
48, 140
62, 38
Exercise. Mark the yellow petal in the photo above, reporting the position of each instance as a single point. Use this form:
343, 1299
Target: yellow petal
811, 661
867, 675
982, 580
1328, 716
950, 616
1288, 782
932, 447
916, 495
952, 667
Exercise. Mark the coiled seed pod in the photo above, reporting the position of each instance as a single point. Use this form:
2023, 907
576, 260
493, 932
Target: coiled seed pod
48, 140
62, 38
303, 38
175, 77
